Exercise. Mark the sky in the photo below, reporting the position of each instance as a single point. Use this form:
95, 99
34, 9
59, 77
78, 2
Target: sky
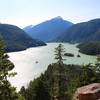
31, 12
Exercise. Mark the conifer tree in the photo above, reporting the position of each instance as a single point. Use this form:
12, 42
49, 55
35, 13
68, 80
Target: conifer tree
7, 92
59, 53
58, 84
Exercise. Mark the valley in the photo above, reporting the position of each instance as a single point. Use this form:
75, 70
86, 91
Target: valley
44, 56
50, 50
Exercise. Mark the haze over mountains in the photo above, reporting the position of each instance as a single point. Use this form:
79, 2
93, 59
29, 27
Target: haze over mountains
81, 32
54, 30
59, 30
48, 30
16, 39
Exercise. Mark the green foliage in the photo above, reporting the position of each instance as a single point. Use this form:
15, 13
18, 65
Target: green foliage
61, 80
82, 32
7, 92
90, 48
15, 39
23, 92
89, 74
71, 88
59, 53
54, 81
37, 90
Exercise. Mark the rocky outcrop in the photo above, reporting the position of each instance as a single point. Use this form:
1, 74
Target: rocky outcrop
88, 92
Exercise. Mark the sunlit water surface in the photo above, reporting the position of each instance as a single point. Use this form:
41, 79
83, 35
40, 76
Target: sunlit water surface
30, 63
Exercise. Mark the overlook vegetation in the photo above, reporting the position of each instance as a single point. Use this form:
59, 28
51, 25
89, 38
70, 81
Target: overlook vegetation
7, 91
60, 81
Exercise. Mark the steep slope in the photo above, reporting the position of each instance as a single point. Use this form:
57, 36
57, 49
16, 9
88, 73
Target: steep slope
48, 30
55, 78
16, 39
86, 31
90, 48
27, 28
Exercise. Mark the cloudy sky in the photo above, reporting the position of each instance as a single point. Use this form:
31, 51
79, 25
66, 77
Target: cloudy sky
27, 12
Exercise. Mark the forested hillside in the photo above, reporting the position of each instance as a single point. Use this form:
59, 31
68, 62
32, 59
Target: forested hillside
82, 32
15, 39
90, 48
60, 81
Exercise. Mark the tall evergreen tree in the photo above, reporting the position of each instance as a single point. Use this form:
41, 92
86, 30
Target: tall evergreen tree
7, 92
59, 53
59, 86
41, 91
37, 90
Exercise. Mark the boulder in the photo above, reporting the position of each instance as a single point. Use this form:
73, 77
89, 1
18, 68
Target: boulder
88, 92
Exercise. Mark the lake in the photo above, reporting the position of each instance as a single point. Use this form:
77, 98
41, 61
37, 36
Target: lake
30, 63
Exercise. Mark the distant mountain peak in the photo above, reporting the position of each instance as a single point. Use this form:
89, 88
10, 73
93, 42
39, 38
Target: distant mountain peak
48, 30
58, 17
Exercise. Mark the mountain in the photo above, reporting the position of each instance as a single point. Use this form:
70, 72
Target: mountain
28, 27
16, 39
48, 30
85, 31
90, 48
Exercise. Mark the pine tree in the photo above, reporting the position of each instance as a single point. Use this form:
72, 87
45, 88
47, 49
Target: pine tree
41, 91
7, 92
59, 53
37, 90
58, 84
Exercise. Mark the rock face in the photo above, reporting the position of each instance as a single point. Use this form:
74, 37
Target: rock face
89, 92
